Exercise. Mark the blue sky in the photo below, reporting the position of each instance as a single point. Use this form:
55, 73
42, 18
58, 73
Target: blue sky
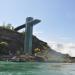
58, 17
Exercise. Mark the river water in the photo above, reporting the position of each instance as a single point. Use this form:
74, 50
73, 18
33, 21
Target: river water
36, 68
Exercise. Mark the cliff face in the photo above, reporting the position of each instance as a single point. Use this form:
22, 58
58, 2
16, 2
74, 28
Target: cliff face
15, 41
15, 45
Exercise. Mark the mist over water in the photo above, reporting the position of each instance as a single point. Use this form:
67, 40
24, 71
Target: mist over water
36, 68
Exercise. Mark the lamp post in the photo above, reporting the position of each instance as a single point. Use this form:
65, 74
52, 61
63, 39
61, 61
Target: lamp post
30, 22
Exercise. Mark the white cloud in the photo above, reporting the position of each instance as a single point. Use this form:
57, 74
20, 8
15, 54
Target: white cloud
63, 47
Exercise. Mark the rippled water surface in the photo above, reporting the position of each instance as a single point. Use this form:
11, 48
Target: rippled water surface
35, 68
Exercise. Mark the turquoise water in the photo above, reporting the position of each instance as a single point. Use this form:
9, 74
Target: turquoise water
36, 68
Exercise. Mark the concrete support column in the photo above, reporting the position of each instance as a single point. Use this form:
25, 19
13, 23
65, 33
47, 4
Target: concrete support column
28, 36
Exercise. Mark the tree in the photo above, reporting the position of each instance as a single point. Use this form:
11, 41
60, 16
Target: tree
8, 26
3, 48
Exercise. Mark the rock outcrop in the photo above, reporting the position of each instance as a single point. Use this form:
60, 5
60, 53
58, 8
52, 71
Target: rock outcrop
15, 41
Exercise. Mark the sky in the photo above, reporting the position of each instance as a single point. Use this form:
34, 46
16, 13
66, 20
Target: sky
57, 26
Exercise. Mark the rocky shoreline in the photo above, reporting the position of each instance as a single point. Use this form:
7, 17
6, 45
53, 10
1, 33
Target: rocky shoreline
22, 58
29, 58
